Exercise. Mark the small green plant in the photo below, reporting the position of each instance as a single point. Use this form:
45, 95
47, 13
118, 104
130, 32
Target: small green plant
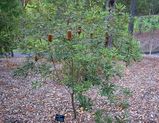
36, 84
127, 92
100, 118
24, 69
108, 89
124, 104
85, 102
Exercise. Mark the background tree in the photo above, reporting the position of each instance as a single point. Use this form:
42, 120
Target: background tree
133, 6
9, 13
144, 7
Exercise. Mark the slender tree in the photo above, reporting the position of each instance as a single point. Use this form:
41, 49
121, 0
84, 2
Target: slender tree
9, 13
108, 38
133, 6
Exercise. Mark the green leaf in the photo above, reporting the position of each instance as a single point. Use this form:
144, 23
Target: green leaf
108, 89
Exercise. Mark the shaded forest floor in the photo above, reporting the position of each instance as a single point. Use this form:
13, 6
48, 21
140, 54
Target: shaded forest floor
19, 102
147, 38
143, 79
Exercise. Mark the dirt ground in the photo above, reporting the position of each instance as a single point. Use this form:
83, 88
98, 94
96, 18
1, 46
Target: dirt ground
19, 103
148, 39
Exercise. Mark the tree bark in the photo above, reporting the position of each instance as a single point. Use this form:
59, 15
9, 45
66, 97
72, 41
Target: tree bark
133, 6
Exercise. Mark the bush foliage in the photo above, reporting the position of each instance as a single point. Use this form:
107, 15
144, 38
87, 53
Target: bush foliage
78, 54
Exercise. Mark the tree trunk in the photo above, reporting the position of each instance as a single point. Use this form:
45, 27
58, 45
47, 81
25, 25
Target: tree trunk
133, 5
110, 6
12, 53
73, 104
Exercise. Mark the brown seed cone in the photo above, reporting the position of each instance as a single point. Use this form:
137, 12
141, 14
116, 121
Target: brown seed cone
69, 35
50, 38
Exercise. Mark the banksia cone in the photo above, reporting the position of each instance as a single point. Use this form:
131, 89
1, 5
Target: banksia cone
69, 35
50, 37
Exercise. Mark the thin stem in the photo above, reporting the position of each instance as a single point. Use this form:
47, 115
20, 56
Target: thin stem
72, 94
73, 105
55, 69
53, 62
